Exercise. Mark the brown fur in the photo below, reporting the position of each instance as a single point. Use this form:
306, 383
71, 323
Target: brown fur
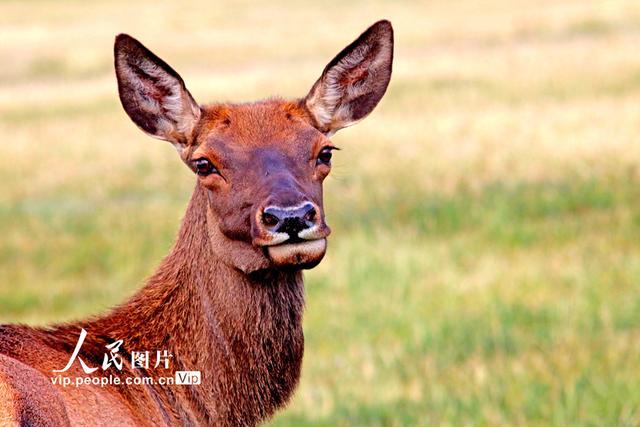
219, 303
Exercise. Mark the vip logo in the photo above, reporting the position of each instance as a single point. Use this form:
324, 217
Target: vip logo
188, 377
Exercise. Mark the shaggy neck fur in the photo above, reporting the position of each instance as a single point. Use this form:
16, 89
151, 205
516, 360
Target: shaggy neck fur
243, 332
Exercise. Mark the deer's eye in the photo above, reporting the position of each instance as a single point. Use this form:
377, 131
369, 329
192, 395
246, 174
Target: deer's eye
204, 167
324, 158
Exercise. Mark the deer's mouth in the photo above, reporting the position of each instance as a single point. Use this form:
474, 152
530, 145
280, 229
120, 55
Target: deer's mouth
305, 253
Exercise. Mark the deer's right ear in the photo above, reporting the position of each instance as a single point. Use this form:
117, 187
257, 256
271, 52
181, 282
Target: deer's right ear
153, 94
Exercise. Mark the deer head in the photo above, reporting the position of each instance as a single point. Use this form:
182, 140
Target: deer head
261, 165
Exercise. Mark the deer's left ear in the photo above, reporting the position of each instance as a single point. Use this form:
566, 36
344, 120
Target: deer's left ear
353, 83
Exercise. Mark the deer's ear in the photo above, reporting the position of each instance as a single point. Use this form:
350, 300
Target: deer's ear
153, 94
353, 83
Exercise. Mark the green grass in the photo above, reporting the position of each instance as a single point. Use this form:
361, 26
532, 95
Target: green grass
484, 266
513, 306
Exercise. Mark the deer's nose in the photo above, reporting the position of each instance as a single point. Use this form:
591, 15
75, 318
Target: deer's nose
290, 220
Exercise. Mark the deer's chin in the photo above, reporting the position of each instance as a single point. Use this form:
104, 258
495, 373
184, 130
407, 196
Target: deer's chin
305, 254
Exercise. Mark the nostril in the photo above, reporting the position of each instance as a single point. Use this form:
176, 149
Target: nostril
310, 216
269, 220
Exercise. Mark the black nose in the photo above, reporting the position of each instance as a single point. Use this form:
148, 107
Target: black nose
290, 220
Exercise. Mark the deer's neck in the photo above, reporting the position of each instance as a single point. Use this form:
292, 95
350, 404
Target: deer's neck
242, 331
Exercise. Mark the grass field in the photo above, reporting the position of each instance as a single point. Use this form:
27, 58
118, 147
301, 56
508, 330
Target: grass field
484, 267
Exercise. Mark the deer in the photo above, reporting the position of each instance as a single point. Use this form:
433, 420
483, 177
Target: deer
228, 299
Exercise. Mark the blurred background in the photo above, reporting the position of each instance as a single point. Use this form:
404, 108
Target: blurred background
484, 267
